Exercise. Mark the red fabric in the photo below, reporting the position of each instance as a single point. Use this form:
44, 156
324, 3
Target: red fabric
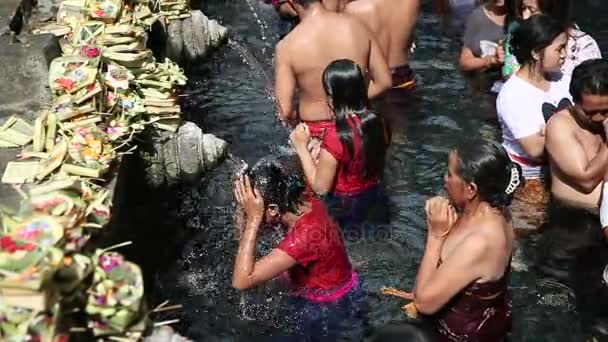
350, 170
318, 129
316, 243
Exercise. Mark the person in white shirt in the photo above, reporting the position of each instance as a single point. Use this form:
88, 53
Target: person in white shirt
532, 95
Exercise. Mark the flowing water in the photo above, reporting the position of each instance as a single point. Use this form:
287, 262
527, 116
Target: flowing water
228, 96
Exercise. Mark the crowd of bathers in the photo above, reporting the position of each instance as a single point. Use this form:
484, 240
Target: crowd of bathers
337, 60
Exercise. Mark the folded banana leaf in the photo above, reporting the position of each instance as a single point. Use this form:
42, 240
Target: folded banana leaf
39, 133
129, 59
106, 10
113, 39
56, 29
135, 46
55, 184
159, 103
20, 172
81, 122
56, 156
16, 132
152, 94
125, 30
51, 130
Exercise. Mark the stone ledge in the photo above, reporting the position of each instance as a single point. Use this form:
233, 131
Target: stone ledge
24, 72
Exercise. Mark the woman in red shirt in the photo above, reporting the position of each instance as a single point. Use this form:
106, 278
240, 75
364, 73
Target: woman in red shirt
351, 158
329, 299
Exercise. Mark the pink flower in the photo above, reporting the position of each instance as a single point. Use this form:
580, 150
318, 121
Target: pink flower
66, 83
90, 52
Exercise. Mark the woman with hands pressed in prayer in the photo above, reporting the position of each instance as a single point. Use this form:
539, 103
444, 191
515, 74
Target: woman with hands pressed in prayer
347, 166
463, 277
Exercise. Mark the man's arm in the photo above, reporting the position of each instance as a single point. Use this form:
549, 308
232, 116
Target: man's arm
284, 84
569, 157
379, 72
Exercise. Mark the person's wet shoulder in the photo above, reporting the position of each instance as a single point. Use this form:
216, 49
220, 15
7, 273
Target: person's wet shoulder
560, 121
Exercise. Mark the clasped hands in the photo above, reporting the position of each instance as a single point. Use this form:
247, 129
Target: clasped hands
301, 138
440, 217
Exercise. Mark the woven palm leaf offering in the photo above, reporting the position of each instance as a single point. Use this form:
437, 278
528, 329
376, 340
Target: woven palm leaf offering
44, 230
90, 153
70, 74
25, 264
127, 120
21, 324
99, 206
66, 207
105, 10
118, 77
71, 12
174, 9
87, 32
116, 296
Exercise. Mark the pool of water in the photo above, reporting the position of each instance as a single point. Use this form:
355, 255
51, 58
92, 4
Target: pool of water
227, 96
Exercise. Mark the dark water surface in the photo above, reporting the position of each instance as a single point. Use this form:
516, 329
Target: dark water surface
556, 296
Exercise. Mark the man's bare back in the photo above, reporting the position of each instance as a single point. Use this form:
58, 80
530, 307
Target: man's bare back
301, 57
571, 147
392, 23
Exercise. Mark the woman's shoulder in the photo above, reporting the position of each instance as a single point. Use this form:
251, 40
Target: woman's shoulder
513, 91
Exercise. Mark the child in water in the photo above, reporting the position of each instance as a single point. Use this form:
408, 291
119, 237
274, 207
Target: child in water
349, 165
328, 297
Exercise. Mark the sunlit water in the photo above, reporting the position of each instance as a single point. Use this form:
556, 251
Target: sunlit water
228, 96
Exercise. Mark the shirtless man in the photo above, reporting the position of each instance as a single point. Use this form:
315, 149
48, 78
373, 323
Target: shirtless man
392, 23
301, 57
576, 140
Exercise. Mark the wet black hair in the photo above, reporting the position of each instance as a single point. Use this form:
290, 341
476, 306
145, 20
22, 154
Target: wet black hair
400, 332
533, 35
486, 163
559, 10
280, 181
344, 83
513, 9
591, 78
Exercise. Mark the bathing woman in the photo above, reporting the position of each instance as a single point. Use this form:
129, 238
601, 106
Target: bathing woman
329, 299
531, 96
351, 158
463, 277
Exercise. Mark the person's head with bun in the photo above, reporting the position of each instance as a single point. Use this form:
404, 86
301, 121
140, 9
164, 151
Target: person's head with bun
539, 43
480, 171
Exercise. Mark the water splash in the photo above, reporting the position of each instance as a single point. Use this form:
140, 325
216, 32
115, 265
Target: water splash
260, 21
254, 64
